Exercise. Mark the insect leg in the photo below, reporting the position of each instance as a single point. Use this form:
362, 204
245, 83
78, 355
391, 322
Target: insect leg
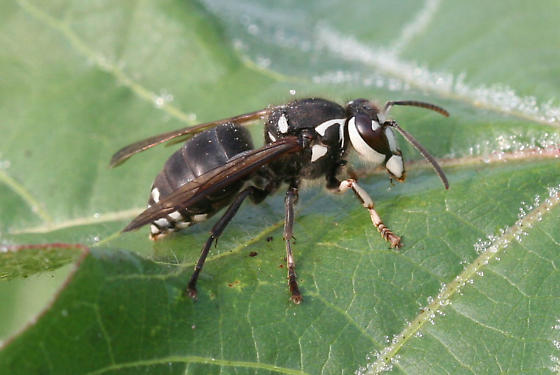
367, 202
291, 198
215, 232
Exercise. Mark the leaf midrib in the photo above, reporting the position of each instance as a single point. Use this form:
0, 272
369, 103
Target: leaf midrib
469, 272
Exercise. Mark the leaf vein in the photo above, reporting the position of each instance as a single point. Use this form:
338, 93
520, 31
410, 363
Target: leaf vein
499, 244
102, 62
22, 192
455, 357
345, 314
199, 360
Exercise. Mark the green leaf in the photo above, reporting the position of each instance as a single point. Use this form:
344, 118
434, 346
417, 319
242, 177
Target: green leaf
21, 261
475, 288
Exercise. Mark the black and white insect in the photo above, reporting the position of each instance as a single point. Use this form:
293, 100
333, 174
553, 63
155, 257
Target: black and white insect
306, 139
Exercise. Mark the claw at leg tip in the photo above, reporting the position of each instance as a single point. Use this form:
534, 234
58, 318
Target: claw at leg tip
191, 293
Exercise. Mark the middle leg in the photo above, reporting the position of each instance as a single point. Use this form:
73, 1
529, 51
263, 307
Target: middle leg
291, 199
215, 232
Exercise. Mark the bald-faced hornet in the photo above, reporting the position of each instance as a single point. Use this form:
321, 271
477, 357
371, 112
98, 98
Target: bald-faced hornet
305, 139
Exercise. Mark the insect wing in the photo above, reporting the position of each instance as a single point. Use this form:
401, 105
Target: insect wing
214, 180
126, 152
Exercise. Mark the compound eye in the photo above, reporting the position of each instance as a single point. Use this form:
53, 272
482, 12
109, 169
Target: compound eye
366, 136
373, 134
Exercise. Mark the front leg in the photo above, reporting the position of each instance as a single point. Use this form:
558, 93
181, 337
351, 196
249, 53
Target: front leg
367, 202
291, 198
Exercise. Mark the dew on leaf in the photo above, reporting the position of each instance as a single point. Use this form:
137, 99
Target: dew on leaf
163, 98
263, 62
253, 29
5, 164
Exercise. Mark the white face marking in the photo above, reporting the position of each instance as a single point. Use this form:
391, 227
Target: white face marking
374, 125
361, 146
283, 124
317, 152
392, 140
322, 128
162, 222
381, 117
341, 135
155, 194
272, 138
154, 229
395, 166
200, 217
176, 215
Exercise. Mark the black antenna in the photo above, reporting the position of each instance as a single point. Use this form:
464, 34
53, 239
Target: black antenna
415, 103
422, 150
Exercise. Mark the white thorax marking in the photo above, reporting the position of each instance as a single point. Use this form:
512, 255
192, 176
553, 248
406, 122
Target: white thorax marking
361, 146
322, 128
283, 124
317, 152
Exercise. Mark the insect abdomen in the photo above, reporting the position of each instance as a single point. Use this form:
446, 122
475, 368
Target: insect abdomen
200, 154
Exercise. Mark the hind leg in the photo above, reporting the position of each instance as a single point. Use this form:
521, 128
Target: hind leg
215, 232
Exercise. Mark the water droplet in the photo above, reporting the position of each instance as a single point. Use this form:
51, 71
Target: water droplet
263, 62
163, 98
253, 29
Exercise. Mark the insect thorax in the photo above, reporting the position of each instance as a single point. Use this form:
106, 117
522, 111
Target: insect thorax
326, 119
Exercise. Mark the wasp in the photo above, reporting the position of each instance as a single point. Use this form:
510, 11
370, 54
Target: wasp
306, 139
